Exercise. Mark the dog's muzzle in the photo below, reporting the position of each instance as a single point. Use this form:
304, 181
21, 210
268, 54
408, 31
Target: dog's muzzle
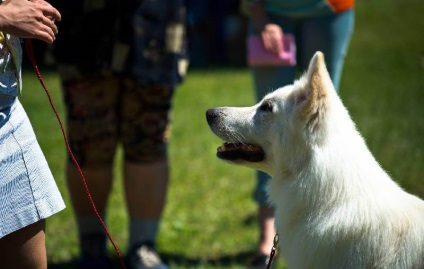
233, 151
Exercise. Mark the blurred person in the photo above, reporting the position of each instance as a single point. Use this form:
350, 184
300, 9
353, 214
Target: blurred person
120, 63
324, 25
215, 28
28, 192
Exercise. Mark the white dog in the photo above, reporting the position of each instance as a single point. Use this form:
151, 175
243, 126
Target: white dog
335, 206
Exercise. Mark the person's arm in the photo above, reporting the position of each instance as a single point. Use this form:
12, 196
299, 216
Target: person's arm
272, 34
26, 19
258, 15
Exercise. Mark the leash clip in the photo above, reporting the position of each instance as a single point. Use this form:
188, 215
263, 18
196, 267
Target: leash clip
273, 251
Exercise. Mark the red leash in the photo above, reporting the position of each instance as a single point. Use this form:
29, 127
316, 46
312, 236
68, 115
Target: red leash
31, 55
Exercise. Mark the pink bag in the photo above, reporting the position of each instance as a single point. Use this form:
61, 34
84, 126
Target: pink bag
257, 55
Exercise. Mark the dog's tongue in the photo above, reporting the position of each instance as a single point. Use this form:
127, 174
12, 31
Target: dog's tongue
235, 151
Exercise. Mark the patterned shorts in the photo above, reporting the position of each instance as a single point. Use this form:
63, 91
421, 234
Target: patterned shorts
105, 110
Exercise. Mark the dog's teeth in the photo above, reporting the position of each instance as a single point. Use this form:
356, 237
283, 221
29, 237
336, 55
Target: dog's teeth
249, 147
227, 146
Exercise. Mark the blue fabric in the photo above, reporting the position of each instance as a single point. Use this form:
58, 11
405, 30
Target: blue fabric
10, 65
298, 8
330, 34
28, 192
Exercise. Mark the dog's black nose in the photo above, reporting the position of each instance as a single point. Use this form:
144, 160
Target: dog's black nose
211, 115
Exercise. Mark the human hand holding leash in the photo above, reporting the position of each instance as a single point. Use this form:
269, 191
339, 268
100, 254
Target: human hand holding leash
29, 19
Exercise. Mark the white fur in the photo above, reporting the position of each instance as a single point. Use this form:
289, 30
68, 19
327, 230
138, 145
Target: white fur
335, 206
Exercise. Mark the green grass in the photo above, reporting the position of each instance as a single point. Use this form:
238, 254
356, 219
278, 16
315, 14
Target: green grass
209, 219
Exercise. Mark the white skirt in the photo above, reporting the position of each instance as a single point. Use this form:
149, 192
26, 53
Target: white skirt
28, 192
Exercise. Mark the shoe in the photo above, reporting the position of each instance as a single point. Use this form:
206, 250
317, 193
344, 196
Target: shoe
93, 252
260, 261
144, 256
100, 262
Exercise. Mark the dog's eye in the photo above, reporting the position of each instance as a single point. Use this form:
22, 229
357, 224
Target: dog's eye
266, 106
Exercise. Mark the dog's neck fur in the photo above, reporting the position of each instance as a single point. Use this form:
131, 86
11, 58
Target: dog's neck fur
308, 220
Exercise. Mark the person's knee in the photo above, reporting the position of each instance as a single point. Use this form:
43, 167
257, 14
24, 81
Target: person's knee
153, 151
146, 130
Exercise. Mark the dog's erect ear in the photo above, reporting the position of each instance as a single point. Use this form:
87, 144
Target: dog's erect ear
317, 87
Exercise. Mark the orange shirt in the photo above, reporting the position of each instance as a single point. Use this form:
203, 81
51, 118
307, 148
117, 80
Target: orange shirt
341, 5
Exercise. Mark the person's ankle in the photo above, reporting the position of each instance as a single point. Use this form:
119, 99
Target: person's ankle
93, 245
264, 250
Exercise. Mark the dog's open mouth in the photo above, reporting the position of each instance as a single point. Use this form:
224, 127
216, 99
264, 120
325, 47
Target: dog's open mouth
237, 151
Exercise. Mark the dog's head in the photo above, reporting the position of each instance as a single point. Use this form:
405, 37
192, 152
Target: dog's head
279, 131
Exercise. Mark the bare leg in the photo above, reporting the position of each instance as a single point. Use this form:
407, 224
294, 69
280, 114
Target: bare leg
99, 181
92, 237
267, 229
146, 187
25, 248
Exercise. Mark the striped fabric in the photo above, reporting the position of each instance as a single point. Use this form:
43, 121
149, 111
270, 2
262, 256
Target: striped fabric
28, 191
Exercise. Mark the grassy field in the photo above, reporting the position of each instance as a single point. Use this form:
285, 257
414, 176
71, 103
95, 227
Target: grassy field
209, 221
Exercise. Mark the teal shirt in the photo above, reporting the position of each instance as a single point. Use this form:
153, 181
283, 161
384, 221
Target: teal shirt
297, 8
